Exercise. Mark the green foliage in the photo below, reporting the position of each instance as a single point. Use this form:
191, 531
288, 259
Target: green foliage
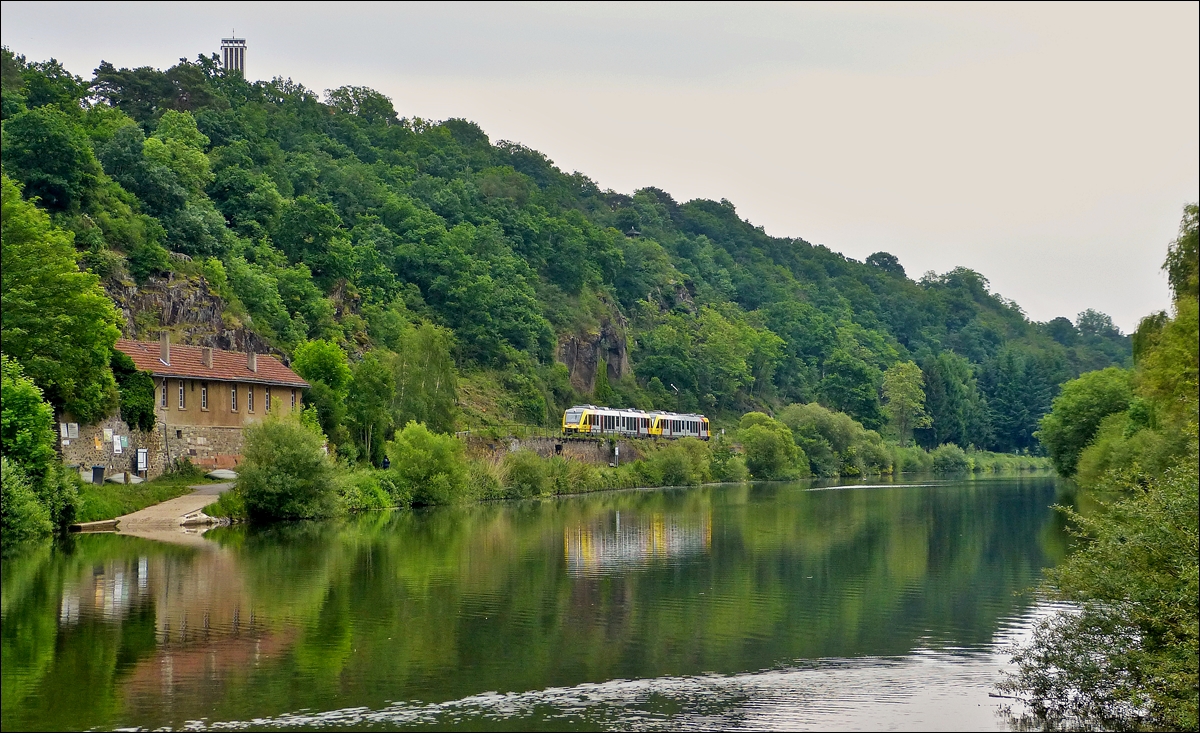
57, 321
136, 389
285, 474
770, 450
525, 474
957, 409
1183, 256
326, 214
835, 443
904, 399
325, 366
1078, 411
1128, 659
22, 516
602, 394
369, 403
47, 153
27, 436
949, 458
363, 490
430, 467
426, 383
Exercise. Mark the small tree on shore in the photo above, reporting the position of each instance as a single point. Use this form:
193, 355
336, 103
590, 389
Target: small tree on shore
904, 399
286, 473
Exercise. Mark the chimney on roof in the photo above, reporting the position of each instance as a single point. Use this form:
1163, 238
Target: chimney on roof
252, 361
164, 347
206, 356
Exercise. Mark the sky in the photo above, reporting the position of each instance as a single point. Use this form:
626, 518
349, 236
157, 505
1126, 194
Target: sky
1049, 147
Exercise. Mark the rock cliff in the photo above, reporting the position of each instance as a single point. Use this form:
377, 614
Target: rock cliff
583, 352
186, 307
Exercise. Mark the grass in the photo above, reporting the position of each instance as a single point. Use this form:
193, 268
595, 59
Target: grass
109, 501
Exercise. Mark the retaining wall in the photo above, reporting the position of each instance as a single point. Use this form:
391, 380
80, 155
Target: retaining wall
597, 451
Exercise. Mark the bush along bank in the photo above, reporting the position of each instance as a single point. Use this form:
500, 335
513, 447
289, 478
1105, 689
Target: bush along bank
288, 474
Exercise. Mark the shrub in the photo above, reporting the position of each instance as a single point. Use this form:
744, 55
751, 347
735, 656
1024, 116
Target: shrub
835, 443
485, 479
22, 515
675, 468
428, 465
286, 474
362, 490
576, 477
911, 459
949, 458
736, 469
769, 448
526, 474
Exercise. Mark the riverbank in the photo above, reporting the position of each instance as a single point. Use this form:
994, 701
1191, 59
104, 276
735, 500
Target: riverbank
108, 501
286, 477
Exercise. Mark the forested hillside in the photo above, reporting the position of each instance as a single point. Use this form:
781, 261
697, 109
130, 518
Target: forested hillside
418, 270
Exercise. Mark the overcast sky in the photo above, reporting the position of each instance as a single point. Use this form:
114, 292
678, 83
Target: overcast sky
1050, 147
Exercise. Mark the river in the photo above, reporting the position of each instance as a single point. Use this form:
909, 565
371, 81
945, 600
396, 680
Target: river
775, 605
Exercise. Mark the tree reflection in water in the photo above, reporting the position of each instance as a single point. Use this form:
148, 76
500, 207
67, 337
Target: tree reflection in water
446, 605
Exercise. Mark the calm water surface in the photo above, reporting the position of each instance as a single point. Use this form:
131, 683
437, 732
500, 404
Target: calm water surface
754, 606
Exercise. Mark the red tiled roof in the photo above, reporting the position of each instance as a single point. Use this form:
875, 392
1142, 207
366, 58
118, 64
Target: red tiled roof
227, 366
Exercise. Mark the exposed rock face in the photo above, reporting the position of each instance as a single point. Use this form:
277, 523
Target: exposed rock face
185, 307
582, 353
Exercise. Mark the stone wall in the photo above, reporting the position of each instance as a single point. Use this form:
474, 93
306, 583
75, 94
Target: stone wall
596, 451
207, 447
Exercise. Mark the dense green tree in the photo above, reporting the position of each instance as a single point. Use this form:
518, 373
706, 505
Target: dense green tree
904, 399
429, 464
851, 385
319, 211
957, 409
22, 516
28, 435
57, 321
369, 403
48, 154
1078, 411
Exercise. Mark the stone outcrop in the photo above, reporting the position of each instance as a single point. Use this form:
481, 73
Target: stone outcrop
185, 306
583, 353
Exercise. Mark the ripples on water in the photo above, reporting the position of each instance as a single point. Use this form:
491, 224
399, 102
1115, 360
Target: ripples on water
761, 607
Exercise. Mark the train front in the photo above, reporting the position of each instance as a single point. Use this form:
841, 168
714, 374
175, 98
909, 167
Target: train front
573, 420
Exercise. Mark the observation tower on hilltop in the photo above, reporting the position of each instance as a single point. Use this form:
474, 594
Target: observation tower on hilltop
233, 54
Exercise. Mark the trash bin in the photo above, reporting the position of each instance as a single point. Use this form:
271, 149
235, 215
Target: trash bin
97, 474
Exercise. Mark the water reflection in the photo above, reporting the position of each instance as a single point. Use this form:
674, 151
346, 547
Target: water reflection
604, 546
673, 607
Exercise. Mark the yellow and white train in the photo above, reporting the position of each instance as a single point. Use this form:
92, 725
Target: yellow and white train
593, 420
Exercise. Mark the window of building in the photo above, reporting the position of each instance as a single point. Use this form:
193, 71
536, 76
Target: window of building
204, 395
293, 399
233, 398
163, 399
181, 393
267, 400
249, 399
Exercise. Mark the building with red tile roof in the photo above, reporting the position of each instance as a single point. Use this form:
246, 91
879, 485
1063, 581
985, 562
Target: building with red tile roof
203, 400
201, 362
